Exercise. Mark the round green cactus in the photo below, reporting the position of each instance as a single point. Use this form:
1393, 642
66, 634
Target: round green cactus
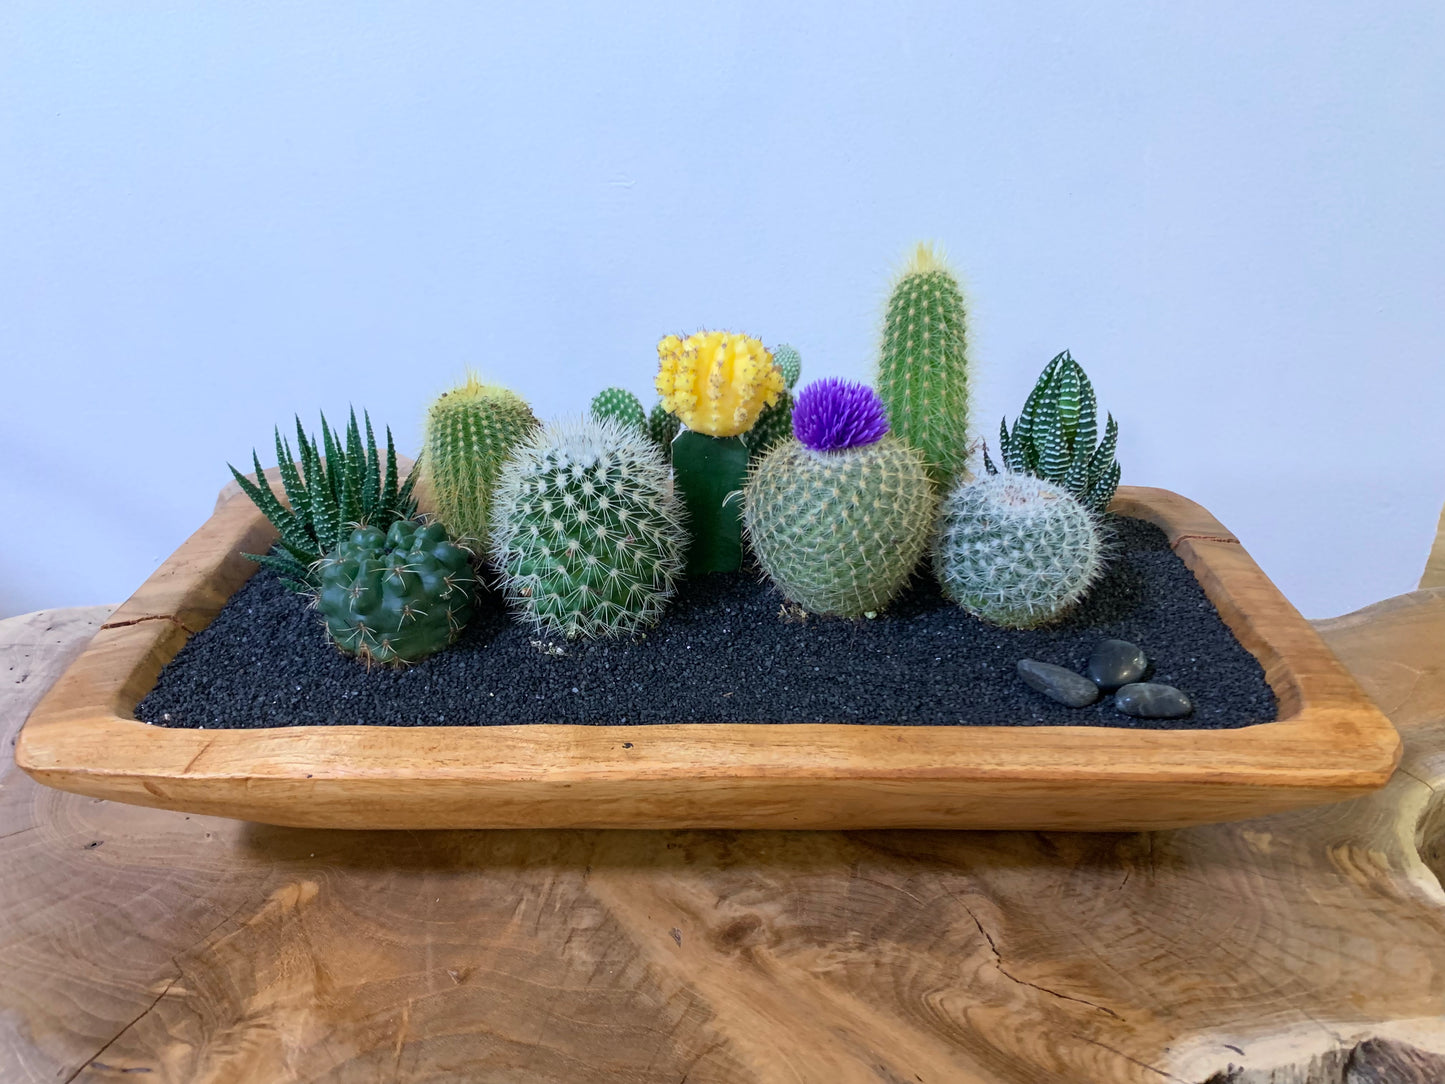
788, 359
586, 530
470, 431
839, 532
1016, 550
397, 597
620, 405
923, 367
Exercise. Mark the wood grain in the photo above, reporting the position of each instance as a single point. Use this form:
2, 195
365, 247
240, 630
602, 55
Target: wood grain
1434, 574
1330, 743
146, 945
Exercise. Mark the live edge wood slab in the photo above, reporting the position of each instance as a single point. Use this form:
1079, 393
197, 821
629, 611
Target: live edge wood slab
1330, 742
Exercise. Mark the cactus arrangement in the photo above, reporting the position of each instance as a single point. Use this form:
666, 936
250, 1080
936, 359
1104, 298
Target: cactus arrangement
395, 597
589, 525
336, 486
1016, 550
1054, 436
587, 534
923, 367
470, 432
717, 384
840, 516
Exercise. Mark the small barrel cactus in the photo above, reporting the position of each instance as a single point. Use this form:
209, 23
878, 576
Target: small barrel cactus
717, 382
840, 517
1016, 550
396, 597
587, 533
790, 363
923, 369
470, 432
620, 405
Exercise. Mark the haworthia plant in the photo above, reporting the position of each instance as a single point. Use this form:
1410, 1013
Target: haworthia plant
1055, 435
337, 487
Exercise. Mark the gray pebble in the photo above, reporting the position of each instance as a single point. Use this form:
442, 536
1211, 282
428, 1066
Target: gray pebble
1058, 683
1113, 663
1150, 701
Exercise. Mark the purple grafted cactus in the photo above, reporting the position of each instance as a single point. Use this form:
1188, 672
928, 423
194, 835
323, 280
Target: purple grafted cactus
832, 414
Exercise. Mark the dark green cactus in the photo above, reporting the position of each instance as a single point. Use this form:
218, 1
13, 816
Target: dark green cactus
335, 488
663, 427
397, 597
1054, 437
774, 425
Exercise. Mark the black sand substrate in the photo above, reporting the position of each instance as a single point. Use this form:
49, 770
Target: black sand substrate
724, 652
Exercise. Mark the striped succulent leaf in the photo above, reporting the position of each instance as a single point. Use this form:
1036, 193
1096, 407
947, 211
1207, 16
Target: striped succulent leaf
1055, 435
325, 497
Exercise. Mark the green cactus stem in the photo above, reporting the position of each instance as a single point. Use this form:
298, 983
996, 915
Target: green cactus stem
620, 405
710, 473
923, 368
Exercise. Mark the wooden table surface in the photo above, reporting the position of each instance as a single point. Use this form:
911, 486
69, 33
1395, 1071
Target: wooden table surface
142, 945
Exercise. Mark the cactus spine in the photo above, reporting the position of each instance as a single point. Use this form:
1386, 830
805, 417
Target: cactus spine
470, 432
1016, 550
397, 597
923, 373
840, 522
586, 532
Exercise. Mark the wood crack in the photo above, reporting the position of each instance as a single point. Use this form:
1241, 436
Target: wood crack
88, 1062
149, 617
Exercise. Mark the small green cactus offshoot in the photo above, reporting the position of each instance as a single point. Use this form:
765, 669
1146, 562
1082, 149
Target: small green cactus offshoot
788, 359
470, 431
775, 423
1053, 437
923, 368
397, 597
663, 427
1016, 550
337, 487
620, 405
587, 532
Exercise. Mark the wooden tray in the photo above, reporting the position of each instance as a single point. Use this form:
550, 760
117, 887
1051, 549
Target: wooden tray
1330, 741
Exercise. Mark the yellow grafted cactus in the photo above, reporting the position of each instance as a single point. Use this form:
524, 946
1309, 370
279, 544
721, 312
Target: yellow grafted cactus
717, 382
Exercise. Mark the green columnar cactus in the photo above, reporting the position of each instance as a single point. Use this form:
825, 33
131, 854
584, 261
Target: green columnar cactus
335, 487
620, 405
923, 369
1053, 437
587, 534
774, 425
470, 432
1016, 550
395, 598
710, 472
839, 532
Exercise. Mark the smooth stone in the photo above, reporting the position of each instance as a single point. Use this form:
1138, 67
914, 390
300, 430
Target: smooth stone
1113, 663
1148, 700
1058, 683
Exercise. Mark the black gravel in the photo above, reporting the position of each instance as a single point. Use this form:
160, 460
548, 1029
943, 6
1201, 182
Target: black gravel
726, 652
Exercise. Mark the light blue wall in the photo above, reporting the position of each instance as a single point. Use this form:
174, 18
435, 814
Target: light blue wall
212, 215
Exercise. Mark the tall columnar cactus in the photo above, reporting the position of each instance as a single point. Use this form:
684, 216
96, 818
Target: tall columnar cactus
1054, 436
923, 369
840, 517
1016, 550
470, 432
716, 383
620, 405
587, 534
339, 484
396, 597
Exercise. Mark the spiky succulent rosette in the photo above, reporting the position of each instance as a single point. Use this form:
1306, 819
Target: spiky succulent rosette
1016, 550
587, 534
717, 382
840, 517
